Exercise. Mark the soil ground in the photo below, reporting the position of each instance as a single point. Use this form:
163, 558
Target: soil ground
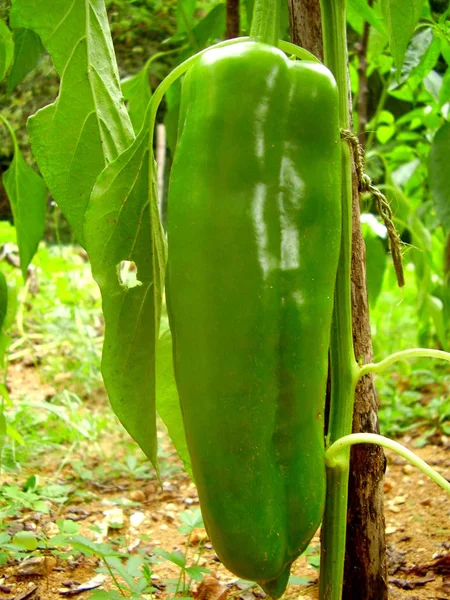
417, 526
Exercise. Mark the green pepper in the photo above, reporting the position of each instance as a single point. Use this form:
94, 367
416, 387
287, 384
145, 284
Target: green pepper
253, 246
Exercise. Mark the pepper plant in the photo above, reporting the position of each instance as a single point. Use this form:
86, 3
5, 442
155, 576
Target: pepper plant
250, 286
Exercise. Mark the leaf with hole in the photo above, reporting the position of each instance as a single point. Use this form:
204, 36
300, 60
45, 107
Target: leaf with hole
123, 232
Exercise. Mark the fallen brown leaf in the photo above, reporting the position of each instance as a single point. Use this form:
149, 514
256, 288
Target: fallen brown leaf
93, 583
41, 565
440, 566
28, 594
210, 589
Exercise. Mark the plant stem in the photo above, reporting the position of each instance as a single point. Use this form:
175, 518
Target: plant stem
266, 22
343, 365
334, 456
402, 355
297, 51
11, 133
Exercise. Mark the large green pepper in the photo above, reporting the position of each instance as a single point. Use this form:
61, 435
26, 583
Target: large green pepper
253, 245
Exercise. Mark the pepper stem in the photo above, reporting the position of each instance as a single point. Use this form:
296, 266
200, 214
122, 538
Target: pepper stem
266, 22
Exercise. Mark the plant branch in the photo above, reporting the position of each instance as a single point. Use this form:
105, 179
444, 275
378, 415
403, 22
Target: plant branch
402, 355
335, 457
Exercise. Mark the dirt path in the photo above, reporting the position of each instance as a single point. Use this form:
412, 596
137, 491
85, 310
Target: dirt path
134, 515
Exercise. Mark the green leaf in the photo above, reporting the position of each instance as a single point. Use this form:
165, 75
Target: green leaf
433, 85
5, 341
385, 133
26, 540
185, 15
211, 27
6, 49
439, 179
435, 309
88, 547
173, 99
196, 572
366, 12
27, 194
2, 433
444, 94
175, 557
249, 5
375, 259
87, 127
3, 299
136, 91
103, 595
421, 56
445, 47
122, 227
354, 19
167, 401
401, 17
28, 50
11, 304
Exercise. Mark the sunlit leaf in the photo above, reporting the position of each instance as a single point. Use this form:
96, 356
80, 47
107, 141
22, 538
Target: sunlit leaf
6, 49
401, 17
27, 194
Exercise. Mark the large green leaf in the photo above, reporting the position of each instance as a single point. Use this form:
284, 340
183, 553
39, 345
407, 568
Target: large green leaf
439, 174
28, 50
27, 194
87, 126
122, 227
6, 49
401, 17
